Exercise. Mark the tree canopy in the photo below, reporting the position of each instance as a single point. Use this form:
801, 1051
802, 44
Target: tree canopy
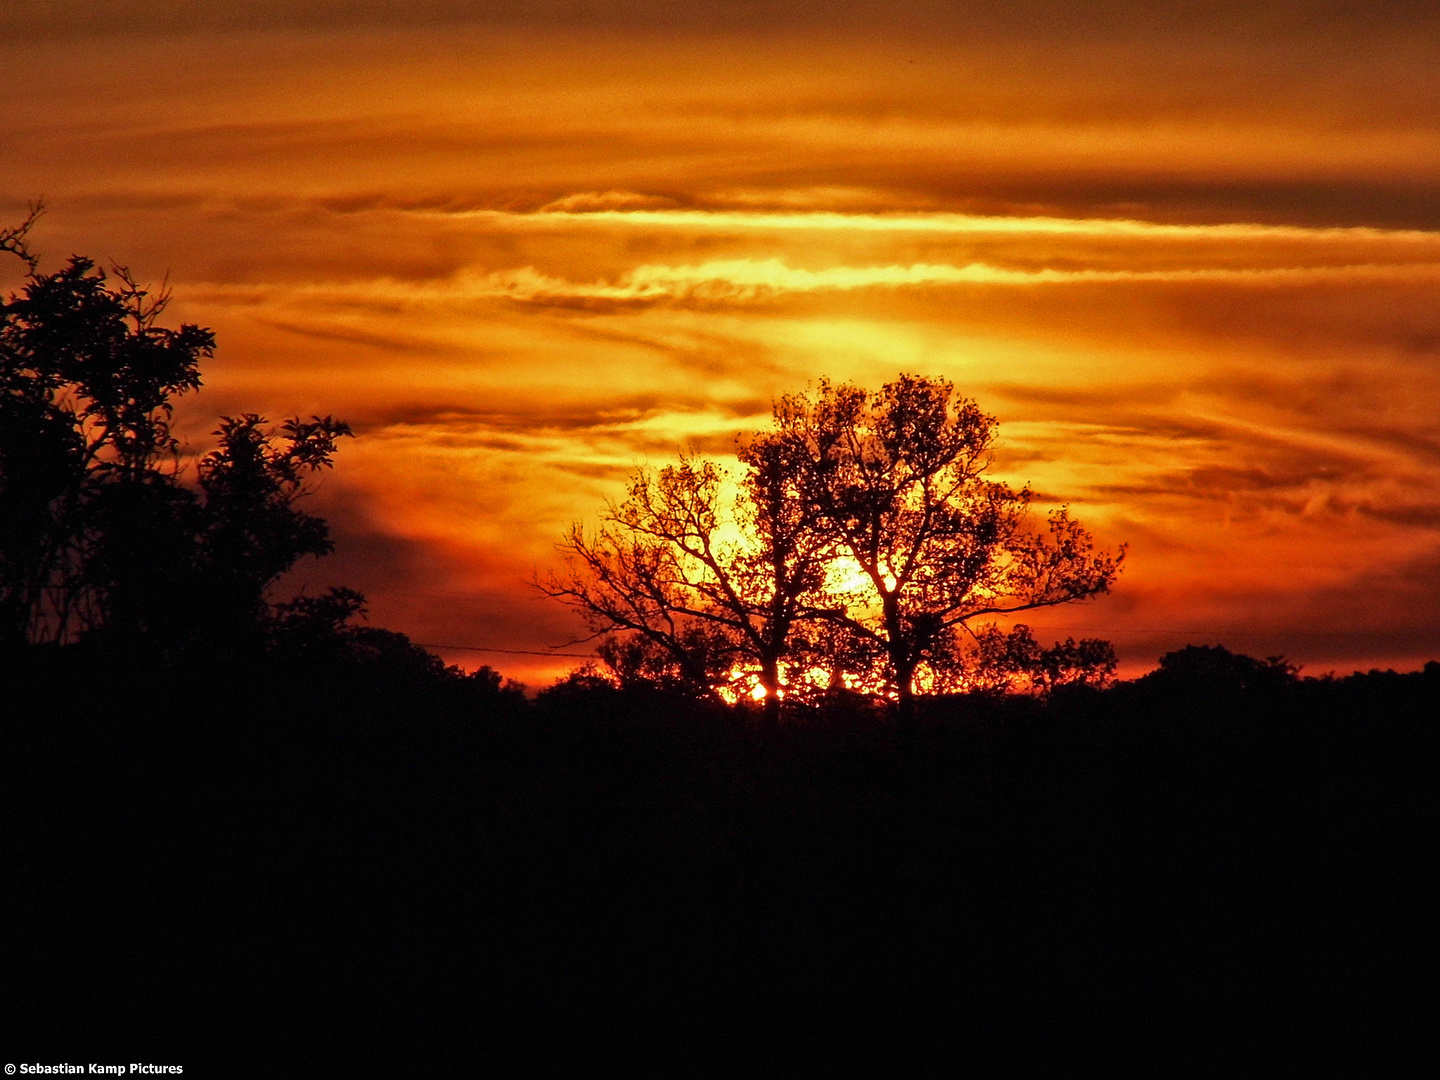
100, 537
699, 599
864, 548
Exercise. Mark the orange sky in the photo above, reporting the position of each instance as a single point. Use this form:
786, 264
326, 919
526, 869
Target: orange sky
1190, 259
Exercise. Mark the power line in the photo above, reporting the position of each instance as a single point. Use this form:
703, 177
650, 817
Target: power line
488, 648
1224, 632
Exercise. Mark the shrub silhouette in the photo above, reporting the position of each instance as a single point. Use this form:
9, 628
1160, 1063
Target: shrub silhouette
1214, 669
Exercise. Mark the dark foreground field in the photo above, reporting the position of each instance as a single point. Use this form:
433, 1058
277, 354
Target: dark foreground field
203, 862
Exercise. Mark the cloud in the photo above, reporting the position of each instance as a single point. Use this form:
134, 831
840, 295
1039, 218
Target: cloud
1306, 21
347, 336
755, 279
1211, 114
940, 222
593, 201
603, 411
1187, 251
750, 280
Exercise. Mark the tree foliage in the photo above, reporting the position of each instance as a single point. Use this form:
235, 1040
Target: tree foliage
896, 480
1215, 670
251, 531
100, 537
1010, 661
698, 598
864, 549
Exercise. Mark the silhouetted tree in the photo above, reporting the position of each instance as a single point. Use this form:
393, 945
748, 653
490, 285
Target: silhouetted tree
894, 481
251, 531
98, 536
888, 486
1214, 669
323, 631
87, 379
695, 598
1015, 661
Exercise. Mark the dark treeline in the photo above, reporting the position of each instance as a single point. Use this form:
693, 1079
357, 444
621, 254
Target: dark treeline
1210, 736
345, 824
368, 710
267, 809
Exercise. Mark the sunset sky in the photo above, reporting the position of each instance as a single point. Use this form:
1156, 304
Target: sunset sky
1189, 259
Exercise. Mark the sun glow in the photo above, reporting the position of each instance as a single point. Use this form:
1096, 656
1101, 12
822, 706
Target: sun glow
846, 576
744, 684
948, 223
1201, 303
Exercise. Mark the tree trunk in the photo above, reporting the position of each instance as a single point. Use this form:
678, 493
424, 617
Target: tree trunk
905, 698
770, 680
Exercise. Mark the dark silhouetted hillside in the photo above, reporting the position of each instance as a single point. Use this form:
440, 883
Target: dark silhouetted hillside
343, 821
